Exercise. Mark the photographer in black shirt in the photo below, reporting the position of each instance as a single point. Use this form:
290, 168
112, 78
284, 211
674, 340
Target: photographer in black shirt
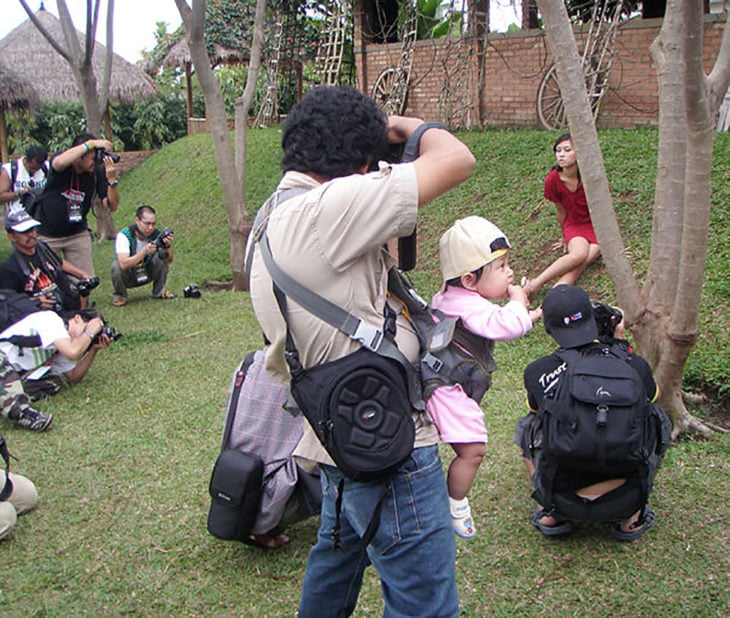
33, 268
75, 178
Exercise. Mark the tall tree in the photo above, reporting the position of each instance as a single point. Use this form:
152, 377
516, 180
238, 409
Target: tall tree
95, 100
230, 160
663, 313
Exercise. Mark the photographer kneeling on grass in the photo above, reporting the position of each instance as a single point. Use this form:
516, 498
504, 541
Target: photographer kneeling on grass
41, 347
144, 254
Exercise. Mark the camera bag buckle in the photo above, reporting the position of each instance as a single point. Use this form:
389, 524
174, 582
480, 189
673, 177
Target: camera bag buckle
368, 336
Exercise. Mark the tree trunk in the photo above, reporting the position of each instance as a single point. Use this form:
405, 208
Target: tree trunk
663, 318
80, 60
243, 104
238, 221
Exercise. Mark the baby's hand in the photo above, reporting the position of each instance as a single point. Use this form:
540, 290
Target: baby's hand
535, 314
516, 292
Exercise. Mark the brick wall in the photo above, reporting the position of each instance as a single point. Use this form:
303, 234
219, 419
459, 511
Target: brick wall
515, 64
131, 159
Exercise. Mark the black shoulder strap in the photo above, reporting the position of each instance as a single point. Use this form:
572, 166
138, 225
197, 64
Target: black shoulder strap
13, 172
235, 394
8, 487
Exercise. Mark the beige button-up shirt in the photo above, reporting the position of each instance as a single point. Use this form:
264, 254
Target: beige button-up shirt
330, 239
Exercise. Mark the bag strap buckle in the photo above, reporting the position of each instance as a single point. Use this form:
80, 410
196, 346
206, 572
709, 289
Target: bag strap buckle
368, 335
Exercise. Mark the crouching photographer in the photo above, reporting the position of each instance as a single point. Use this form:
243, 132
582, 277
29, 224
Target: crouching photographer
143, 255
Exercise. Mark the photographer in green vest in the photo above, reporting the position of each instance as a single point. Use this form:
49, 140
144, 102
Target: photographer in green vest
144, 255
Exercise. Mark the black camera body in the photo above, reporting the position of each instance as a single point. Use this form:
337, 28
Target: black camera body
160, 242
30, 195
192, 291
607, 318
100, 153
86, 285
109, 332
51, 293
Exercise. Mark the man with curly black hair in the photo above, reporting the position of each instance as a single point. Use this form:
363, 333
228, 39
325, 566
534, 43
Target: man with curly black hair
329, 237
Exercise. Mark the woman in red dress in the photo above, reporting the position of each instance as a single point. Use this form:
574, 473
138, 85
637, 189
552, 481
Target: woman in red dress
563, 187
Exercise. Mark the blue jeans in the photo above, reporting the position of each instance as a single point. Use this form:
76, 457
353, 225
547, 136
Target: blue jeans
413, 549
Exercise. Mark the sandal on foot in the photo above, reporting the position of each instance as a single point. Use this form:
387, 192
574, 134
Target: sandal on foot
269, 541
166, 295
559, 529
641, 525
119, 302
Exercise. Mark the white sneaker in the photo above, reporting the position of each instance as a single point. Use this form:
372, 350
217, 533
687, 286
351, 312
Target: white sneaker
461, 518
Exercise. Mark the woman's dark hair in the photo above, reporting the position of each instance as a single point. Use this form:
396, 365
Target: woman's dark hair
565, 137
333, 132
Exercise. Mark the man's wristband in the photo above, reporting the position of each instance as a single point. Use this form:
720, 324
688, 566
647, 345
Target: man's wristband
88, 145
89, 335
113, 183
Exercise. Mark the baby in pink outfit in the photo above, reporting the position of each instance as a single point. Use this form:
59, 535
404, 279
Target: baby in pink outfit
475, 268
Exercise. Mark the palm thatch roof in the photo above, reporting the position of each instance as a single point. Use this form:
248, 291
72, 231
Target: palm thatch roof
179, 55
15, 92
28, 51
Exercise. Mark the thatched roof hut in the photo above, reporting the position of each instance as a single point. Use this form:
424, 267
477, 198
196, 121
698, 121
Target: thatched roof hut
15, 93
28, 51
179, 56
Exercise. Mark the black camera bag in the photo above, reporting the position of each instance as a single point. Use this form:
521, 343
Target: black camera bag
235, 492
358, 406
236, 485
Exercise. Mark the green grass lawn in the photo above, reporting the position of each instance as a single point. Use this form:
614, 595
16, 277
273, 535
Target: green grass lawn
123, 473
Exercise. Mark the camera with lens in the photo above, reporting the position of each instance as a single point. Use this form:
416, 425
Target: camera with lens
100, 153
86, 285
109, 332
30, 195
192, 291
160, 242
50, 292
607, 318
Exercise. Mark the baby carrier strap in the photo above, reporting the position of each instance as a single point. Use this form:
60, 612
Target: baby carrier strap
450, 353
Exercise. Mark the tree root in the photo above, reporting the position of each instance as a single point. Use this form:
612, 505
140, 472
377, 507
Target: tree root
696, 427
694, 399
217, 286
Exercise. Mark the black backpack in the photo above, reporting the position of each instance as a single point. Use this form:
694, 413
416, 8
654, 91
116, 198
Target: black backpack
14, 306
598, 421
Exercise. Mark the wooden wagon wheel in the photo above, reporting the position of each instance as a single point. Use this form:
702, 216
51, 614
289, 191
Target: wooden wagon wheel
390, 90
550, 109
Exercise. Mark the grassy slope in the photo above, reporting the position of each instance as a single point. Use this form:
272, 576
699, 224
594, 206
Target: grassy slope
123, 473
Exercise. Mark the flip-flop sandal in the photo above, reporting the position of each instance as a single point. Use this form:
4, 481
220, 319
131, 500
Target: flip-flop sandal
119, 302
268, 541
646, 521
166, 295
559, 529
